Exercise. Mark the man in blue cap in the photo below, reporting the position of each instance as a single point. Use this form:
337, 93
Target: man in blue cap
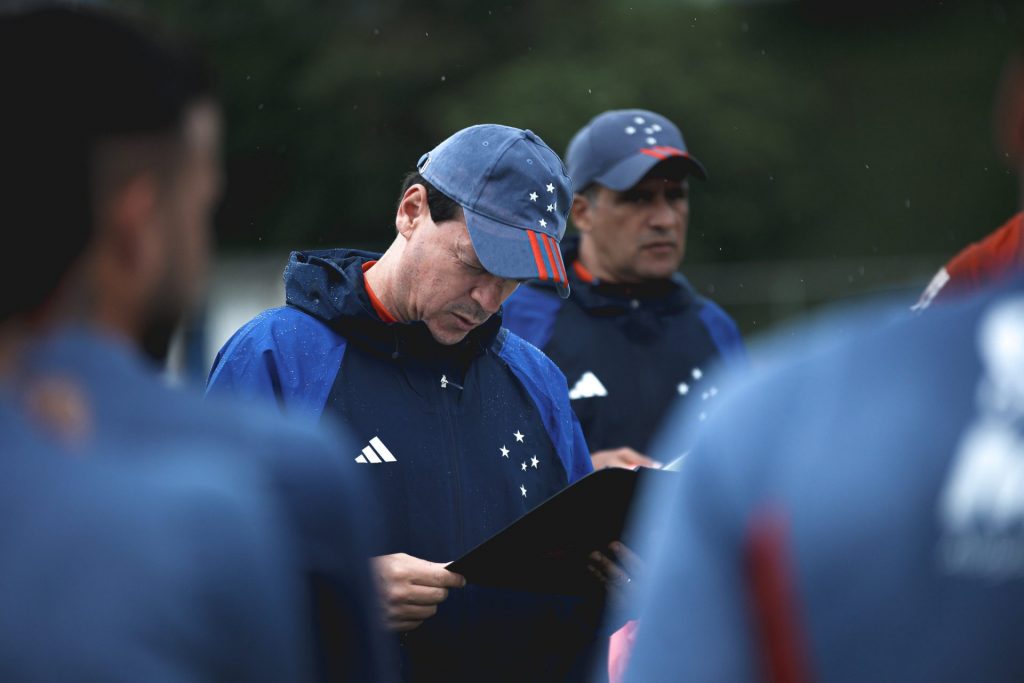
634, 336
464, 426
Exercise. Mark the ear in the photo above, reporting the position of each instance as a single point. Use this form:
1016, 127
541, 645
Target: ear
412, 210
580, 213
131, 230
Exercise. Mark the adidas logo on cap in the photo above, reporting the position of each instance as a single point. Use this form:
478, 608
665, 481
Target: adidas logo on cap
376, 453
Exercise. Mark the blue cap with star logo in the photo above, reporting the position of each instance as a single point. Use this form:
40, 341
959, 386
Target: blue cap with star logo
515, 194
619, 147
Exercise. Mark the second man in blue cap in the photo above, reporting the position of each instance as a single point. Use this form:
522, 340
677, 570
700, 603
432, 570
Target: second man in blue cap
635, 335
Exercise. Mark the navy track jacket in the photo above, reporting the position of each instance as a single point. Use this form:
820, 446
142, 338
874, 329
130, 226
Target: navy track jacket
628, 352
459, 441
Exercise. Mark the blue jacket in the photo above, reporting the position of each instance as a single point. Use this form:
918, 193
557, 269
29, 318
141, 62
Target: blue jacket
131, 405
130, 572
628, 351
853, 514
459, 441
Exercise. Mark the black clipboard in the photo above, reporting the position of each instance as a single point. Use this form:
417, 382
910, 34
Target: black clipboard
546, 549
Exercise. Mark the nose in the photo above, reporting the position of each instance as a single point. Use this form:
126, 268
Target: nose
490, 293
667, 215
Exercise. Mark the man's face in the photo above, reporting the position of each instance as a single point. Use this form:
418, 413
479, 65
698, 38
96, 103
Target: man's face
638, 234
187, 200
443, 284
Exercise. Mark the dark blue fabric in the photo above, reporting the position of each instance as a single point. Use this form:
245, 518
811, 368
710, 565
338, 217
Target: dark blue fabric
135, 571
273, 363
323, 502
628, 352
888, 454
451, 484
531, 313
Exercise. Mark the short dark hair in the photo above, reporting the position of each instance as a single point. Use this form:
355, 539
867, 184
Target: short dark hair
74, 78
442, 207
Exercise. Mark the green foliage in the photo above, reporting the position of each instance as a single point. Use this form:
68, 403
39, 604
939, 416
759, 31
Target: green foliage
821, 137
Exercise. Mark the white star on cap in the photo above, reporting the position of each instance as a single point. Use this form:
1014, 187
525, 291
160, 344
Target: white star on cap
630, 130
648, 130
551, 207
534, 461
639, 120
524, 466
697, 374
543, 223
656, 128
533, 196
523, 490
551, 187
651, 141
519, 437
683, 388
504, 451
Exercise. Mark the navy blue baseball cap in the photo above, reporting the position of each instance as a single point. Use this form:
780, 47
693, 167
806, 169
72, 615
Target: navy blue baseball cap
515, 194
618, 148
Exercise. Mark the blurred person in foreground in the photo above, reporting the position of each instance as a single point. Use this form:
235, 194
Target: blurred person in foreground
1000, 254
111, 164
464, 426
852, 530
122, 573
634, 336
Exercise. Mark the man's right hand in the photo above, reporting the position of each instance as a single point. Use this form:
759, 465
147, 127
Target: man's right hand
410, 589
622, 457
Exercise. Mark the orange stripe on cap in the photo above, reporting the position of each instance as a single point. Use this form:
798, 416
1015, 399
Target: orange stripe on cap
653, 153
551, 259
671, 151
559, 264
542, 272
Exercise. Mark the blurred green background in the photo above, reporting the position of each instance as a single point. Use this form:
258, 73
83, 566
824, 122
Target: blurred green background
849, 144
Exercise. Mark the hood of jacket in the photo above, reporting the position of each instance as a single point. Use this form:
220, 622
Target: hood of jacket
328, 284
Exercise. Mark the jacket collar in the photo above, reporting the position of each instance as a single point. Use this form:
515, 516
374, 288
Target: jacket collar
328, 284
672, 294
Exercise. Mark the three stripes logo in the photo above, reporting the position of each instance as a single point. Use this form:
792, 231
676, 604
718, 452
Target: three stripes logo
376, 453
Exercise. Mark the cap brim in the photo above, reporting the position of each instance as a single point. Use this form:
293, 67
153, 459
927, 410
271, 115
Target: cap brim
633, 168
517, 253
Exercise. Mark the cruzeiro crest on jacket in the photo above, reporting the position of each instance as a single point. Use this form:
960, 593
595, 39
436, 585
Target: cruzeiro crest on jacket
590, 386
520, 457
981, 507
694, 385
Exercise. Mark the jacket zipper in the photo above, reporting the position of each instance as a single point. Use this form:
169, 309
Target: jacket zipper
449, 420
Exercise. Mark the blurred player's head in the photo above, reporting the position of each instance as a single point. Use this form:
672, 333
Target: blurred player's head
110, 162
630, 171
